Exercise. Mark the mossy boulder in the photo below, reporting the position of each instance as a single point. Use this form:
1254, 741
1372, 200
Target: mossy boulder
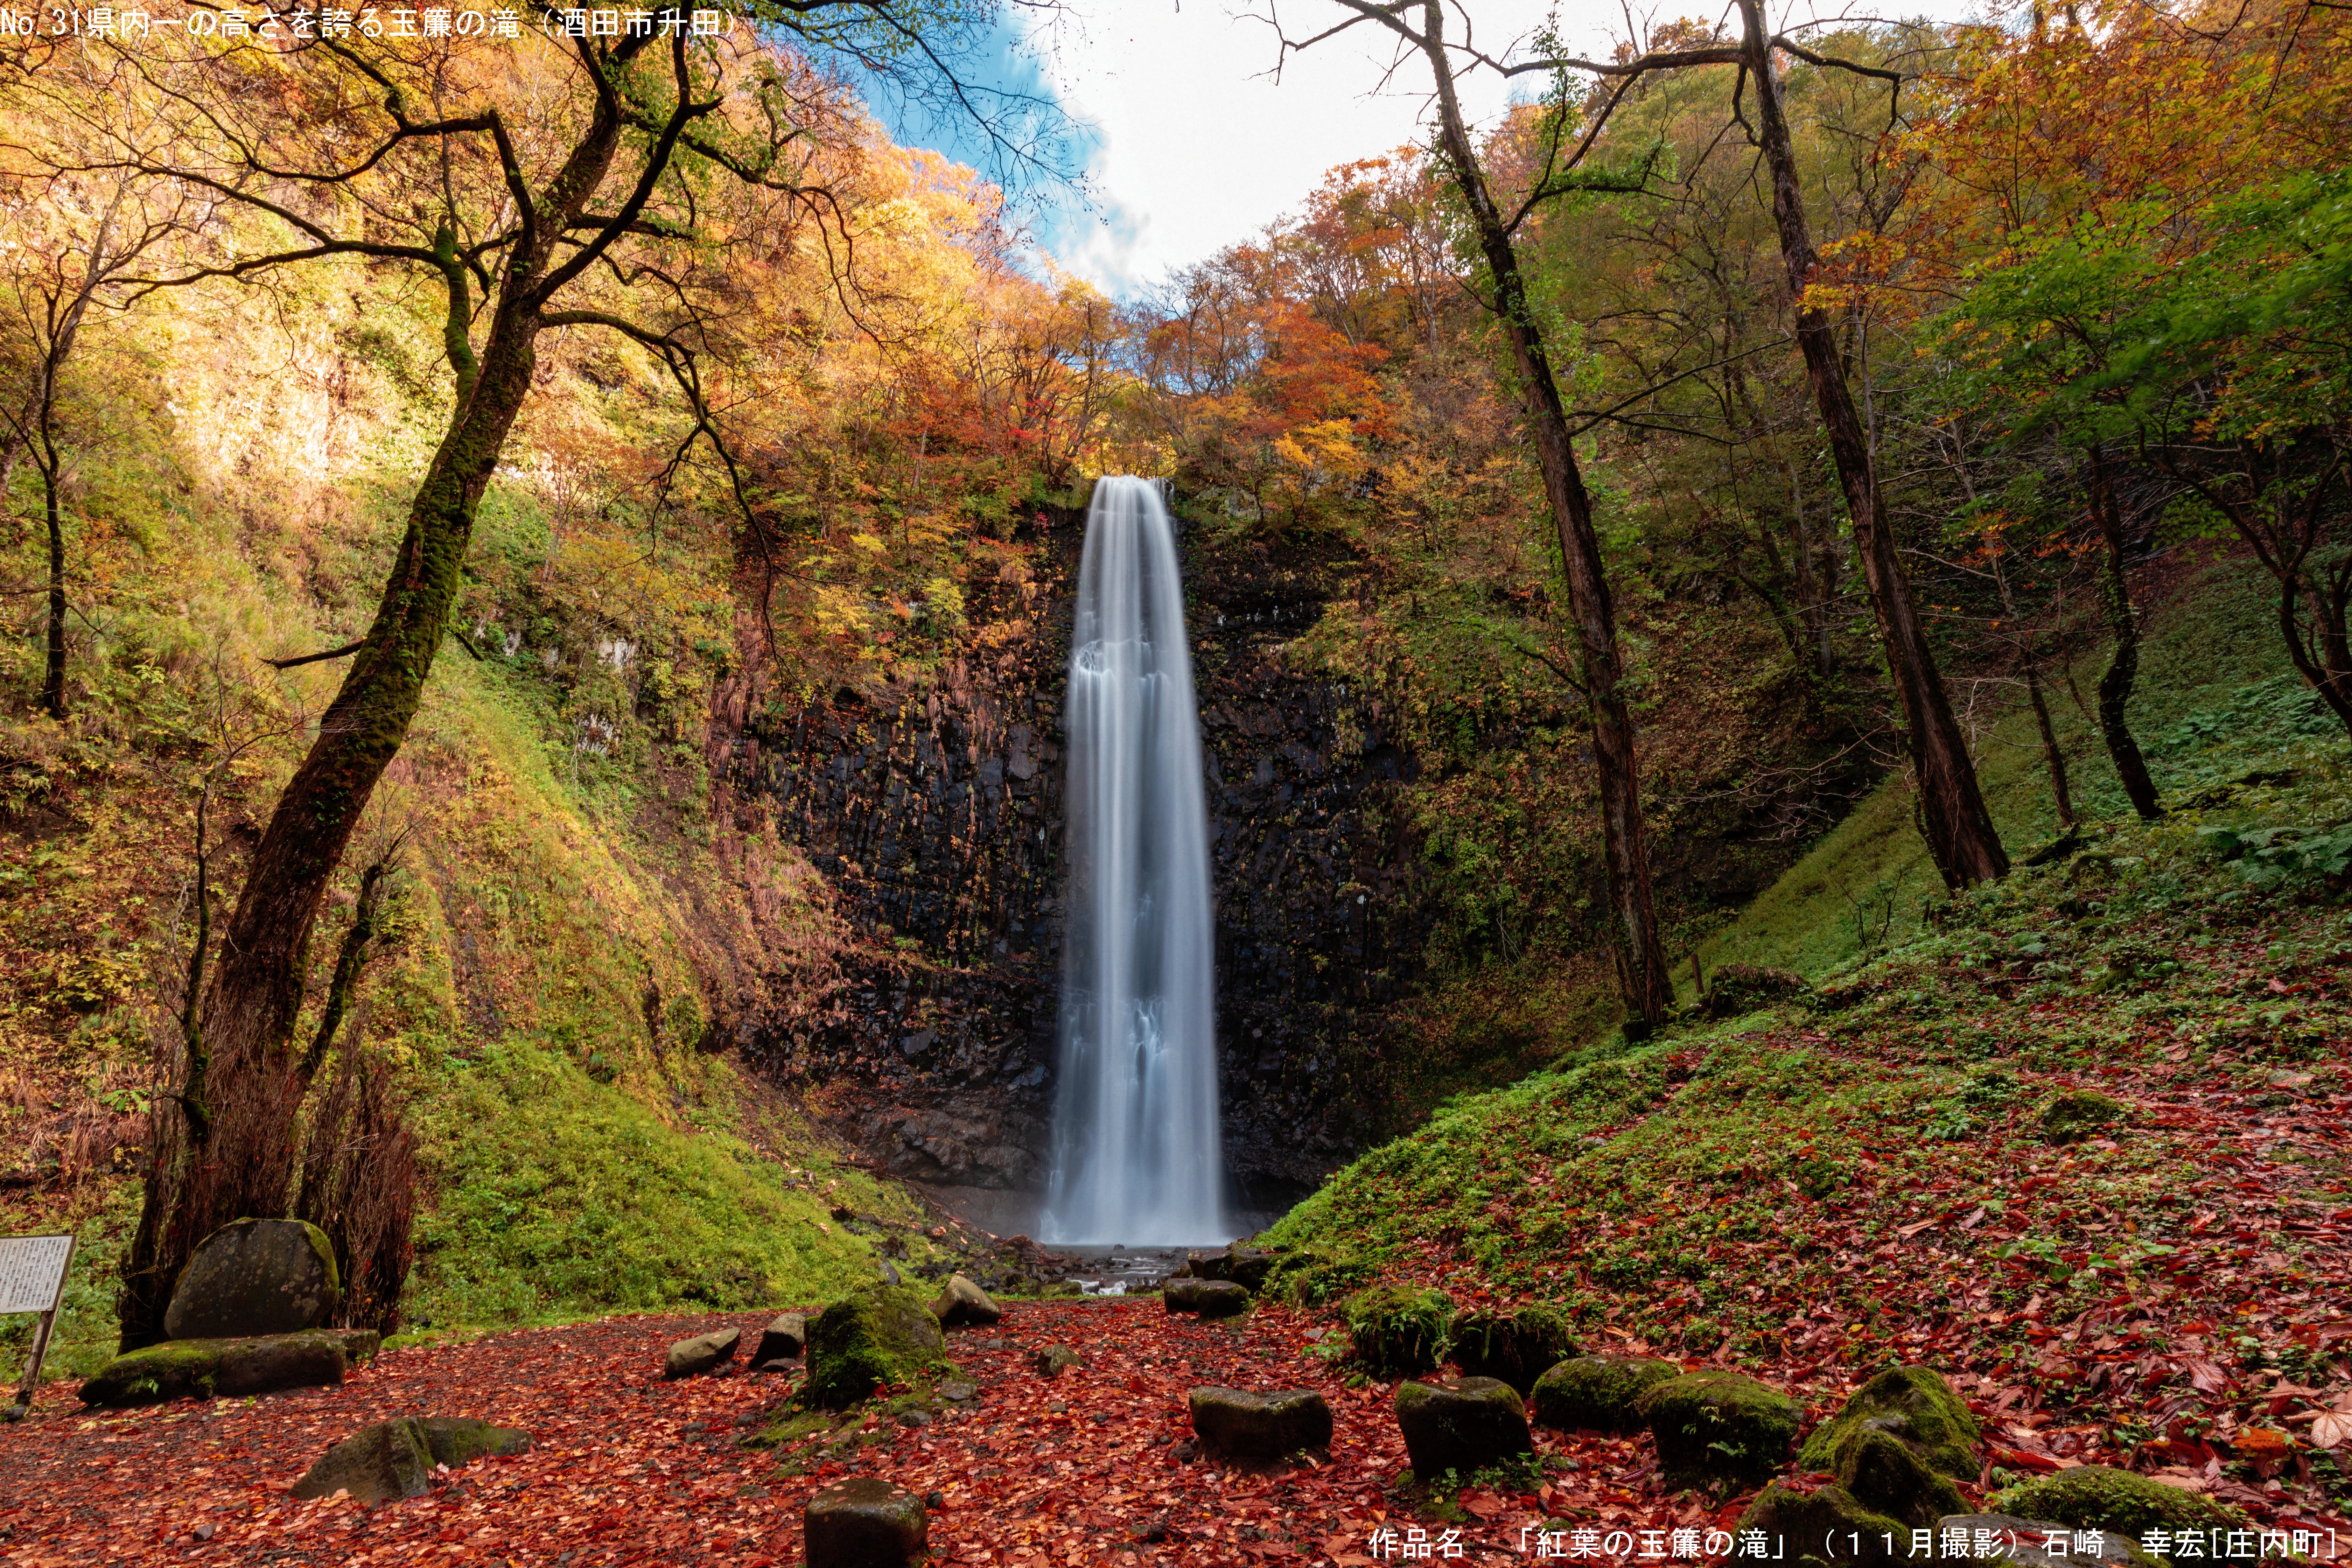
1599, 1393
1396, 1330
1516, 1347
1887, 1475
2079, 1113
218, 1369
1912, 1404
392, 1459
876, 1334
1234, 1424
1803, 1524
1219, 1299
252, 1277
1719, 1428
1461, 1426
2099, 1497
1737, 988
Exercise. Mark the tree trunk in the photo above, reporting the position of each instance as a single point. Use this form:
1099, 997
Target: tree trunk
1952, 815
251, 1007
2052, 753
2123, 665
53, 678
1641, 958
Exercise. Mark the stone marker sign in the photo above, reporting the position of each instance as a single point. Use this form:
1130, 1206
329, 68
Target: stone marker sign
33, 1279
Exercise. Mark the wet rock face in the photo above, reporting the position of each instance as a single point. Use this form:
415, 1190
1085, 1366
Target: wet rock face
1318, 928
935, 813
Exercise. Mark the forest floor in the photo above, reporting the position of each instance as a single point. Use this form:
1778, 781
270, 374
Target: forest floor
1089, 1467
1094, 1466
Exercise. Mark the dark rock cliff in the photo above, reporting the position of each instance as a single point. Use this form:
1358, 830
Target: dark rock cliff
935, 812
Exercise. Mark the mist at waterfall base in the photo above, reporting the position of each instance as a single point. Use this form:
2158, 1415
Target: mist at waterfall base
1135, 1151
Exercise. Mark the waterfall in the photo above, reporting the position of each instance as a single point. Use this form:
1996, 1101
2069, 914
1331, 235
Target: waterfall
1135, 1146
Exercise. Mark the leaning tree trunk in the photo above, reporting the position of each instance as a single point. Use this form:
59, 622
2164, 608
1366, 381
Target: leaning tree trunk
1952, 815
246, 1165
2123, 665
1640, 957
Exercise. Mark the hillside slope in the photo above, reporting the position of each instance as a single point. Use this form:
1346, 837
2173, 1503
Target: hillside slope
2083, 1139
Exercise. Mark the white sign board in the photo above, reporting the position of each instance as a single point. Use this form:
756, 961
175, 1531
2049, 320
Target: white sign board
33, 1271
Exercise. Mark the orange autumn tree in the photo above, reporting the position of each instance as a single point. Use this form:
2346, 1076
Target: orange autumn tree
2129, 222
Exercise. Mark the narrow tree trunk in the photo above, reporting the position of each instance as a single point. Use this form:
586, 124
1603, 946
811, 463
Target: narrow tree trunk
53, 679
1952, 815
1641, 971
2052, 753
2123, 664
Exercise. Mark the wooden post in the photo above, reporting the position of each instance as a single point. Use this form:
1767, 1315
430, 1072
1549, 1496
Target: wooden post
26, 1279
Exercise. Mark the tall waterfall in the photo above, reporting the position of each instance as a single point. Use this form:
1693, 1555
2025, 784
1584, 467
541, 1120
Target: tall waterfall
1135, 1148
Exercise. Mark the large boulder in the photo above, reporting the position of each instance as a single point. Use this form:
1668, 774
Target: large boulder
1719, 1428
874, 1335
1219, 1299
2099, 1497
1182, 1293
862, 1522
713, 1352
782, 1340
1599, 1393
1236, 1425
393, 1459
1247, 1267
962, 1303
1516, 1347
1887, 1475
1397, 1330
1824, 1529
255, 1277
1461, 1426
1912, 1404
218, 1369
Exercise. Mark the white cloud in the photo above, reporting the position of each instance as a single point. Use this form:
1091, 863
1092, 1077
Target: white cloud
1200, 147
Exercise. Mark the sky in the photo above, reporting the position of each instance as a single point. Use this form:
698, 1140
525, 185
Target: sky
1198, 146
1195, 145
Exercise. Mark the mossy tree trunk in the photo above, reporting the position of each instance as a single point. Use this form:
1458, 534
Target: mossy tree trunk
245, 1162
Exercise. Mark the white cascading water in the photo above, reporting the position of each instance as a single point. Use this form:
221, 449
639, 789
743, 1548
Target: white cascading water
1135, 1148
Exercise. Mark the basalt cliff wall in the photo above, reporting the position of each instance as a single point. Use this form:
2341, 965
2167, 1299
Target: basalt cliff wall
934, 810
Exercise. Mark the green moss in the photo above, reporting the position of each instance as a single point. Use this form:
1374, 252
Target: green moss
1516, 1347
1887, 1474
1599, 1393
2099, 1497
875, 1335
1397, 1330
1807, 1522
2076, 1114
1719, 1428
1911, 1404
